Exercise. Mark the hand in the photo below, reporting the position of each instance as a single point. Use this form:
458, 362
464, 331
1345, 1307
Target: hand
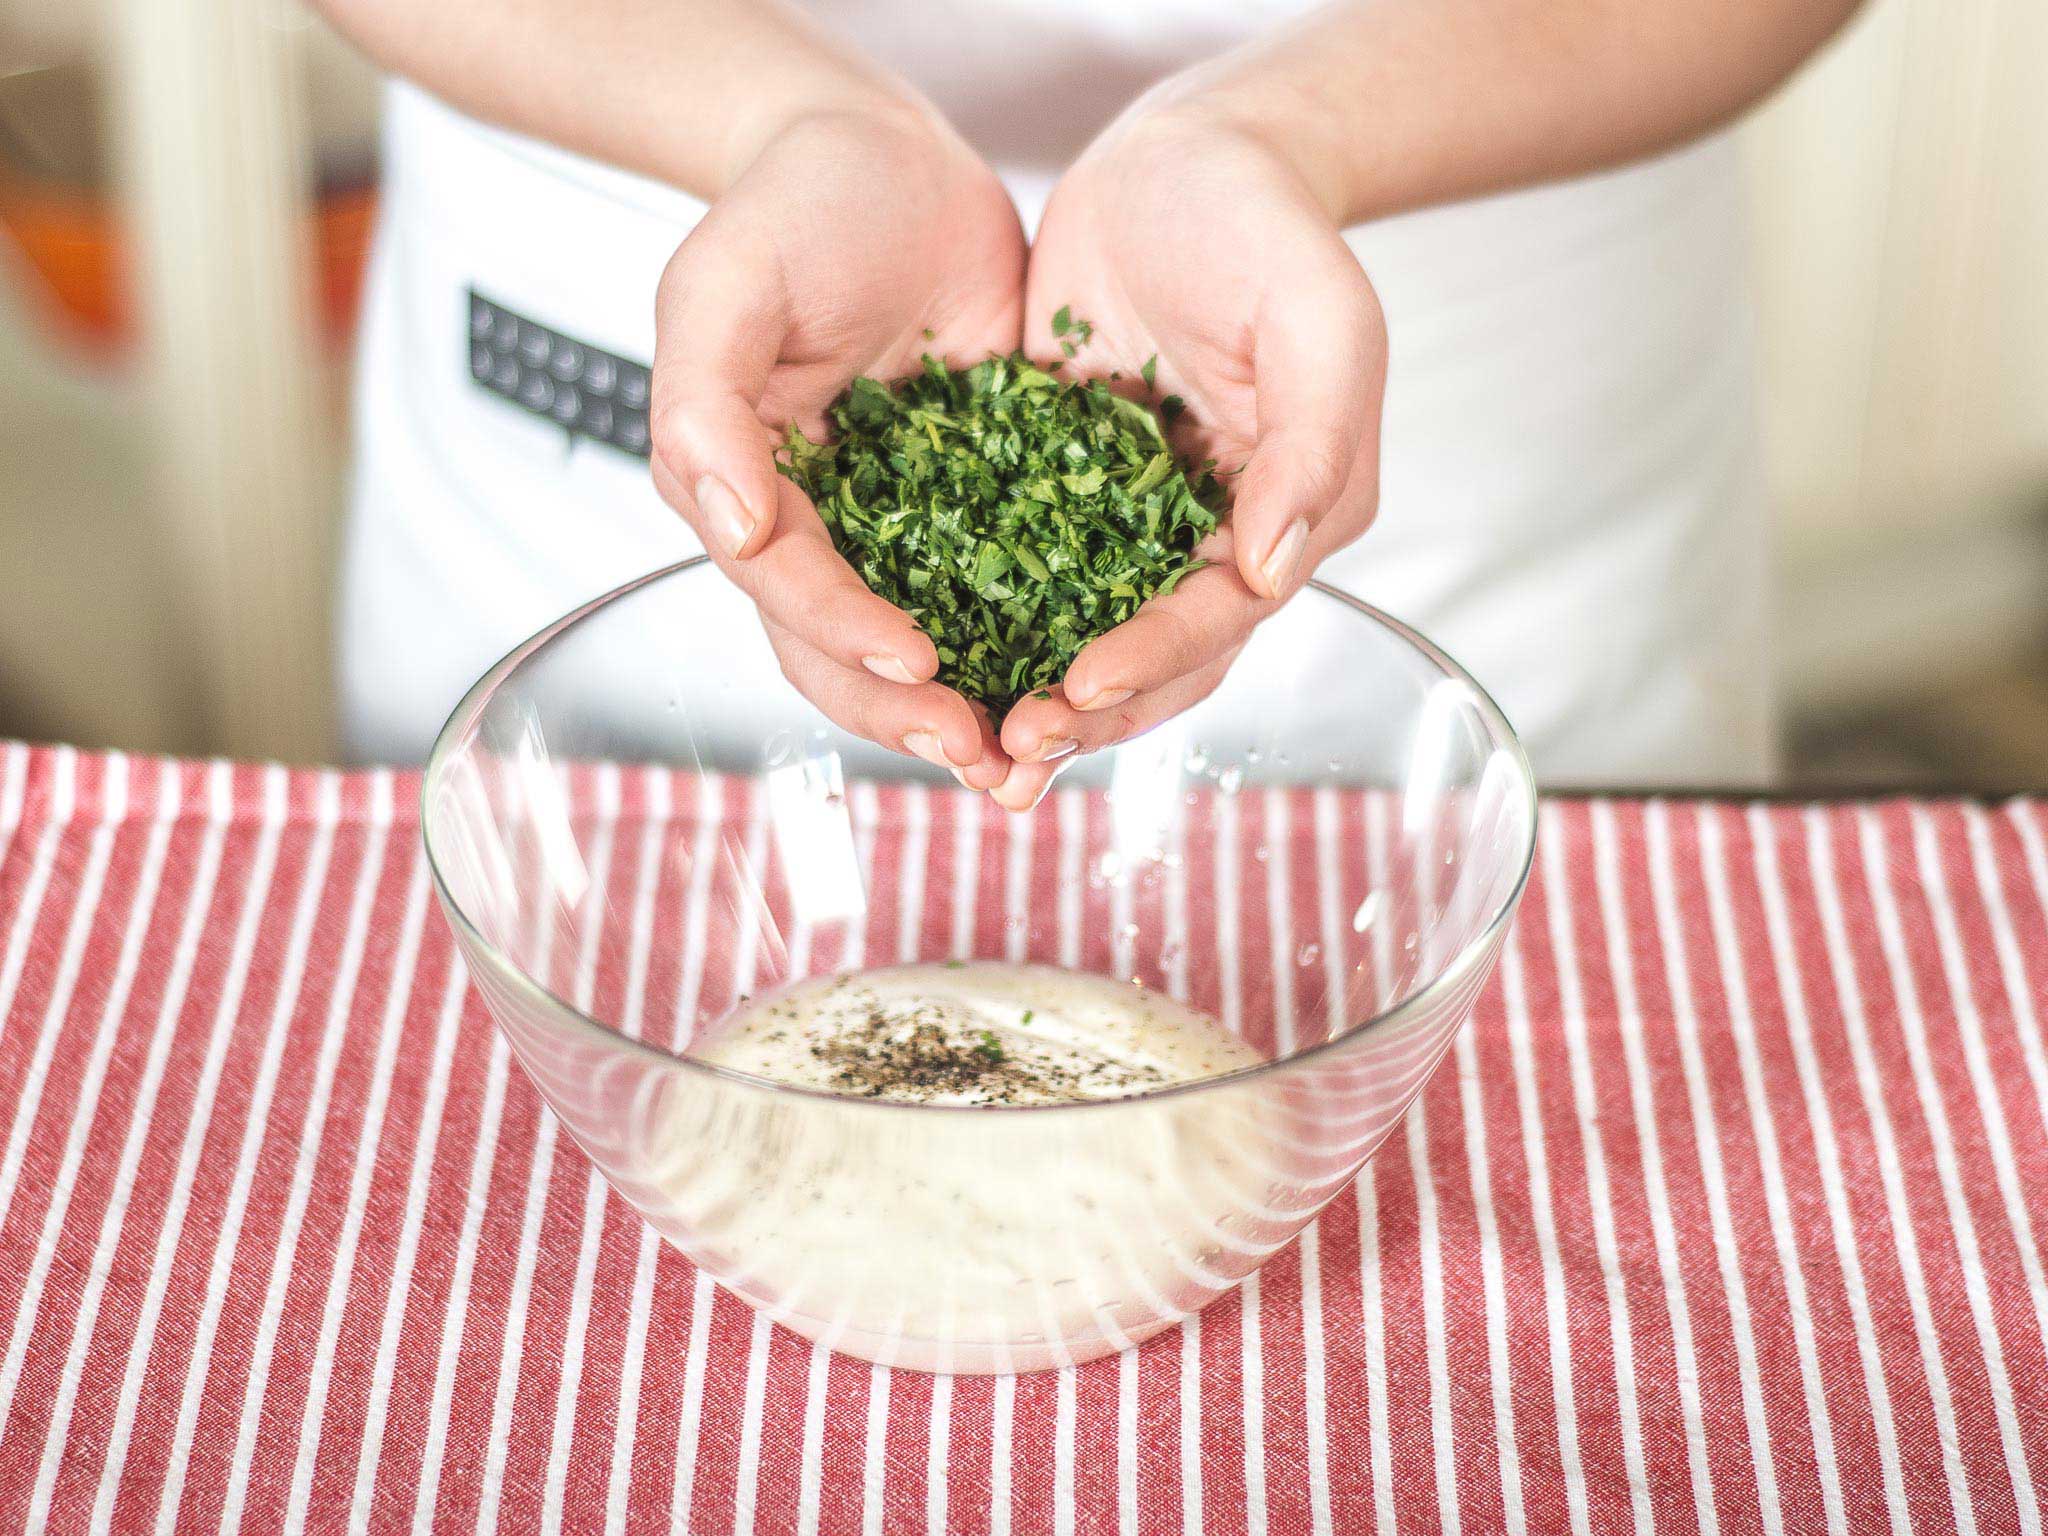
851, 244
1192, 241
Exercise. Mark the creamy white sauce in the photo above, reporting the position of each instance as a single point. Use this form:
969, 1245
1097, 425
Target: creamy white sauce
978, 1238
989, 1032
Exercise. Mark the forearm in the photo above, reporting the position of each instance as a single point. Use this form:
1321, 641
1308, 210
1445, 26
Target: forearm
686, 91
1386, 105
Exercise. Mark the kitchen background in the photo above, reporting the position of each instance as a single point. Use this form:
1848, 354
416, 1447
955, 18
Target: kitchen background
179, 177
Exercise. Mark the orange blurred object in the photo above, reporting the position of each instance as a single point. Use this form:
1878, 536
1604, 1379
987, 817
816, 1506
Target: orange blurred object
77, 260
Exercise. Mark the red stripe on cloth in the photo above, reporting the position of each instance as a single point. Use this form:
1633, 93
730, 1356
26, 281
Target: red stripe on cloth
1605, 1446
72, 1175
207, 1191
1715, 1345
99, 1369
1731, 1181
1909, 1137
1821, 978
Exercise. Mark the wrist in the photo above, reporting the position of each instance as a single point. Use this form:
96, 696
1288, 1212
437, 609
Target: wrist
1266, 117
904, 124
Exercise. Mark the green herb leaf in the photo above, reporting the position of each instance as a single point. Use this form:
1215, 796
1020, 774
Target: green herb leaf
1014, 513
1062, 320
1150, 372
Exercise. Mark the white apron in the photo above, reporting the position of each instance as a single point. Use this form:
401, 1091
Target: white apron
1570, 499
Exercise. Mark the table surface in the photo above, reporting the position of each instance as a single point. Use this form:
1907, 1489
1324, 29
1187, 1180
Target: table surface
1724, 1214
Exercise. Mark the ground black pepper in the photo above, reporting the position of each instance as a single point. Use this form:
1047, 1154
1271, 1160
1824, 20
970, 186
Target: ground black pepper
894, 1050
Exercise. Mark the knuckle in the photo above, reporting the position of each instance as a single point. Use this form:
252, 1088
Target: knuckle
1183, 638
1319, 472
668, 426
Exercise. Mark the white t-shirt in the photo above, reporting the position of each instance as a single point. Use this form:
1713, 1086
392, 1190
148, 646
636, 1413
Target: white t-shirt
1570, 500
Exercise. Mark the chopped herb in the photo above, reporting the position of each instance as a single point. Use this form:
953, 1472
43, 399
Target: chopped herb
956, 965
1015, 515
1150, 372
1027, 1017
990, 1047
1064, 325
1171, 407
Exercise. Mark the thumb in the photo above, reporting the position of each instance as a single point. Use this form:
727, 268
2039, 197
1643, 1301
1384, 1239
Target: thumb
1318, 379
1292, 479
722, 463
718, 332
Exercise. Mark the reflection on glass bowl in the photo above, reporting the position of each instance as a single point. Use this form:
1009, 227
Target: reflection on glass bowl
636, 826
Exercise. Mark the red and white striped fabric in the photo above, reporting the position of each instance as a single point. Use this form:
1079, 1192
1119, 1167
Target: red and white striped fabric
1725, 1216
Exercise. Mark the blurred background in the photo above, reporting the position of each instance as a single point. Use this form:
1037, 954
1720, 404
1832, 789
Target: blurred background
186, 193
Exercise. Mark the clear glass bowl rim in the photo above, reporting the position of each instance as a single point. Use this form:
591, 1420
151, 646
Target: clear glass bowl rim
466, 713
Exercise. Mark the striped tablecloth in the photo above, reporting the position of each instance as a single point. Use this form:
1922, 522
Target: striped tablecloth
1725, 1214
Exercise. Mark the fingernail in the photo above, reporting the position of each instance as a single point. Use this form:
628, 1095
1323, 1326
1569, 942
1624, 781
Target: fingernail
961, 775
890, 667
1012, 795
731, 524
1285, 555
926, 744
1109, 698
1052, 747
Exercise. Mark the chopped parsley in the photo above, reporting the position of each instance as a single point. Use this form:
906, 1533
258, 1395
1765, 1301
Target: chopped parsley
1014, 514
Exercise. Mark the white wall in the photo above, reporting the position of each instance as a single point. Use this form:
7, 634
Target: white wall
1901, 223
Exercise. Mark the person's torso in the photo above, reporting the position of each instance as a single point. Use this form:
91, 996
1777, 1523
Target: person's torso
1568, 406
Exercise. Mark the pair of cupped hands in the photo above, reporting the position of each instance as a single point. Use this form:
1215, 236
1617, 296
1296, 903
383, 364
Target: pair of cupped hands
854, 244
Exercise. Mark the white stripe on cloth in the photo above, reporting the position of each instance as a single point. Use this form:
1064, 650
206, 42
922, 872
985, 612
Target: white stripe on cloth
163, 1032
1515, 994
1379, 1427
1336, 1018
689, 1002
568, 1385
1629, 1025
399, 998
1707, 1142
227, 1246
1572, 1005
418, 1174
63, 805
85, 911
633, 1023
1820, 1118
1869, 1083
285, 1254
966, 826
13, 794
199, 1119
1742, 1025
141, 906
2019, 991
1991, 1109
1913, 1025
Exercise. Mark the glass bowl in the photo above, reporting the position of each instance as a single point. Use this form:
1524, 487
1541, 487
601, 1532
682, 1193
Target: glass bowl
635, 823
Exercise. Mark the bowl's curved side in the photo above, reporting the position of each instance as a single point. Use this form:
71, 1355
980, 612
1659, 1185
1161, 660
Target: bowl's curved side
1505, 793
